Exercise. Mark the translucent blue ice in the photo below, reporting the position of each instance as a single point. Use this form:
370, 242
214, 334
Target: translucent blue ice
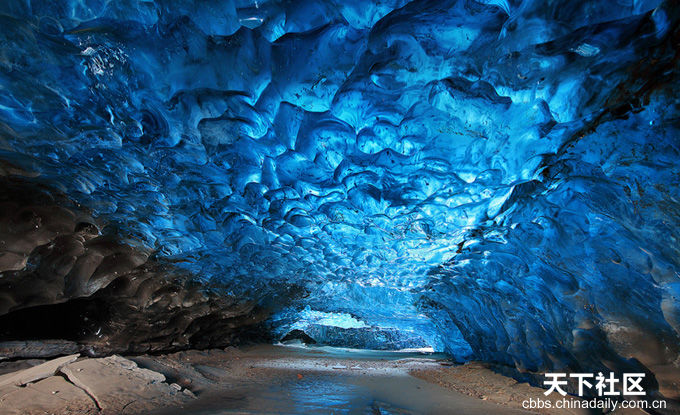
341, 320
499, 178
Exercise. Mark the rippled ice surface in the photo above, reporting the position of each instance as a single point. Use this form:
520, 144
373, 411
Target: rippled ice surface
496, 179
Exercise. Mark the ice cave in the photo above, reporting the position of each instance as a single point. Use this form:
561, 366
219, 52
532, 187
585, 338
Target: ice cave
490, 187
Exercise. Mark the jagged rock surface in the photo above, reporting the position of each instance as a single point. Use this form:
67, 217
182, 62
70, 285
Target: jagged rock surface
111, 385
97, 291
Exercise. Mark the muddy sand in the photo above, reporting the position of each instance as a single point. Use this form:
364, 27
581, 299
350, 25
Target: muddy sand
261, 380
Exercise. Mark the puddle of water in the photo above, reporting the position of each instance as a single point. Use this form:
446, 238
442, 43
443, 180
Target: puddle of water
323, 380
328, 393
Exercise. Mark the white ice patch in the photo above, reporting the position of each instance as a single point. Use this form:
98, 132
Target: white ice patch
586, 50
342, 320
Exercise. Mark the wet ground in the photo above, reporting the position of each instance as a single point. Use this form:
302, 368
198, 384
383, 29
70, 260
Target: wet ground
336, 381
340, 394
263, 379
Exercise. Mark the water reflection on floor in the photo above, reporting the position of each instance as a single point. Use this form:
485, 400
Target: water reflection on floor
328, 393
315, 394
323, 380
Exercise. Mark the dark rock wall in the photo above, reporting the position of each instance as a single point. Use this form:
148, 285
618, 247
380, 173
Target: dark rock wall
60, 278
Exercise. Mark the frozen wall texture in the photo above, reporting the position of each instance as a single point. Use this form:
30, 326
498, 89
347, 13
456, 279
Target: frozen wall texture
498, 179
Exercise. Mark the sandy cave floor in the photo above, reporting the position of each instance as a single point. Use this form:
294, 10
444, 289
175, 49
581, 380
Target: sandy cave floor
261, 380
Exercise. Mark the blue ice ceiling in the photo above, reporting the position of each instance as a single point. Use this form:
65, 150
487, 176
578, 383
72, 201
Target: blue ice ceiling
493, 178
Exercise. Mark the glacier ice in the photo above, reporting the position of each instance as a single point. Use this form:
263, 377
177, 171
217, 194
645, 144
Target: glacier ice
498, 179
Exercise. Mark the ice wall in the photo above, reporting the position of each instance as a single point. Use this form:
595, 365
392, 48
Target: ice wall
499, 177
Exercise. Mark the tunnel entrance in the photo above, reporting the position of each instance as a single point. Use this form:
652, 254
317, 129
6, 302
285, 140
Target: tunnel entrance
372, 338
343, 330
